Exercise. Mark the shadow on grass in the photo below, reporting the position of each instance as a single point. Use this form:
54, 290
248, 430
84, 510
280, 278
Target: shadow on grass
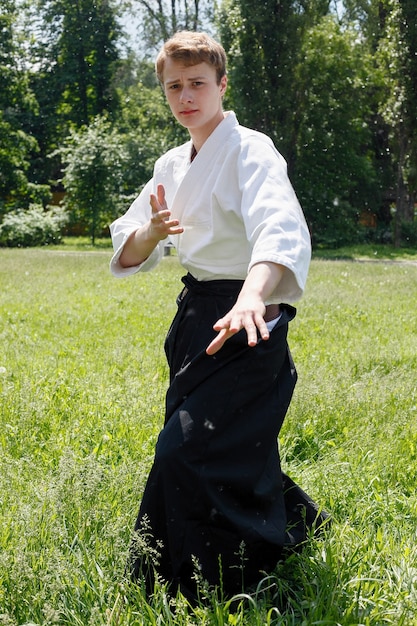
366, 252
84, 243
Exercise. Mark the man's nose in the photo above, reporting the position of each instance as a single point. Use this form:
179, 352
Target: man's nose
185, 95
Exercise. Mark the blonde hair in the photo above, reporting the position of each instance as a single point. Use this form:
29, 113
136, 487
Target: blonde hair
192, 48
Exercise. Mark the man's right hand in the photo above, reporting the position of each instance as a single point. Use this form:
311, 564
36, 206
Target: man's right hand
144, 240
160, 224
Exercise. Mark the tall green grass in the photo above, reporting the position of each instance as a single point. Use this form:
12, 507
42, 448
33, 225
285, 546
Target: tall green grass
82, 384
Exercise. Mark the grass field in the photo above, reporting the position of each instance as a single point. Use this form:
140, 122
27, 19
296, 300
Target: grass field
82, 384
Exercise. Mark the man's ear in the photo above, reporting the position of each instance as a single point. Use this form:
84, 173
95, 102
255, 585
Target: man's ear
223, 85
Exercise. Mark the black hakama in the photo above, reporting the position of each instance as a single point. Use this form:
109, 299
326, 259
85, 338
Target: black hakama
216, 497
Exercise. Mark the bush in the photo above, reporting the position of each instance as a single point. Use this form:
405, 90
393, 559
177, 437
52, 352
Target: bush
409, 233
32, 227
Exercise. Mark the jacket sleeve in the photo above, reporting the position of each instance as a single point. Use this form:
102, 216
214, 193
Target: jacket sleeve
275, 225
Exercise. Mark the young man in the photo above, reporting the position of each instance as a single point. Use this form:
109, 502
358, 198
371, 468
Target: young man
216, 498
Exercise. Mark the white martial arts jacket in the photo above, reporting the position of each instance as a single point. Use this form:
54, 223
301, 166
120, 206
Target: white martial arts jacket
236, 205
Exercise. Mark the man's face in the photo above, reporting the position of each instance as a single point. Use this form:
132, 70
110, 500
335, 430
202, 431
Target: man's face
194, 96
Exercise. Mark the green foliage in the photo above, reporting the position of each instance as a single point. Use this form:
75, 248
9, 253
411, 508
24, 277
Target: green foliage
263, 48
82, 384
314, 85
15, 95
409, 233
15, 189
15, 146
261, 66
32, 227
16, 102
82, 55
335, 174
396, 57
339, 102
95, 160
72, 52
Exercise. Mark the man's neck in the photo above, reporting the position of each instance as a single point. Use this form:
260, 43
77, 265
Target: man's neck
200, 135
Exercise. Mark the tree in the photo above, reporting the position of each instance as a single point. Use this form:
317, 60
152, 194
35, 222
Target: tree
94, 164
397, 54
72, 55
263, 48
16, 103
390, 29
335, 173
303, 80
73, 58
81, 52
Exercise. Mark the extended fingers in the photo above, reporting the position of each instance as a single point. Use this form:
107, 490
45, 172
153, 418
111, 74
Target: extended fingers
160, 192
254, 324
262, 328
235, 323
160, 216
160, 220
218, 341
251, 331
230, 325
158, 206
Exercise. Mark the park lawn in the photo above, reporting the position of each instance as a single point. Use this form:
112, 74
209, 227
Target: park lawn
82, 383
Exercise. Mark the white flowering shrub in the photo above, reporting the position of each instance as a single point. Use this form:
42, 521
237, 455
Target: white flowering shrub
32, 227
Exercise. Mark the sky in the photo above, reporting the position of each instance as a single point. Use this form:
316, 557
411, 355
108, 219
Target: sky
131, 21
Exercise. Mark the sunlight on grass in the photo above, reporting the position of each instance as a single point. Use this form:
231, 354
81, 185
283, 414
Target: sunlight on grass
82, 385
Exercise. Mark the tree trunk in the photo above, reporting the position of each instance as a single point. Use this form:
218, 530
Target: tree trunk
404, 201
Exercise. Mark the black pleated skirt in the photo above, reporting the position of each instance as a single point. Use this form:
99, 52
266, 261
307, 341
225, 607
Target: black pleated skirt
216, 500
